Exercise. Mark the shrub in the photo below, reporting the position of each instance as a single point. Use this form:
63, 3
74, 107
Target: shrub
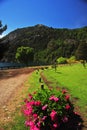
48, 110
62, 60
72, 59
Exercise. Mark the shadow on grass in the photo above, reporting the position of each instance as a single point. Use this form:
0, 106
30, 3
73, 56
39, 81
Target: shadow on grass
58, 72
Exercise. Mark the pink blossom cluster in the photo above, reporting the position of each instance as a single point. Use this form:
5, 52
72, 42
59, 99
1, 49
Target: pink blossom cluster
38, 113
54, 98
31, 116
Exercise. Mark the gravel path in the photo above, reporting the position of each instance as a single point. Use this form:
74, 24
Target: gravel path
10, 80
8, 86
12, 92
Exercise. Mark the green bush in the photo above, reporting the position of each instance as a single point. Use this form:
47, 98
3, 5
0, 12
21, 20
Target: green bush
72, 59
62, 60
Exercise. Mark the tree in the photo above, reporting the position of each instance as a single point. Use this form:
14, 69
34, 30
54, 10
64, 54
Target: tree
2, 28
24, 55
81, 52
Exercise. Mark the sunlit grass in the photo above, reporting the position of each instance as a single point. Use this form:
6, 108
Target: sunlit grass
34, 83
74, 78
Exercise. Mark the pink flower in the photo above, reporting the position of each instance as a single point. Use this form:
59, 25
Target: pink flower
67, 107
56, 99
67, 97
39, 124
55, 125
26, 100
27, 123
76, 113
28, 105
28, 112
32, 102
65, 119
35, 116
53, 115
33, 127
37, 103
30, 96
44, 107
53, 98
64, 91
44, 117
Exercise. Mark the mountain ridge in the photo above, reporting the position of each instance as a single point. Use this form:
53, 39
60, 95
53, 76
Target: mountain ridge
48, 43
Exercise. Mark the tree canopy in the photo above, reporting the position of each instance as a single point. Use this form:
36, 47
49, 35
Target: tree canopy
24, 55
81, 52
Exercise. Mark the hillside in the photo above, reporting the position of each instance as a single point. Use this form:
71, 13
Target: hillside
48, 43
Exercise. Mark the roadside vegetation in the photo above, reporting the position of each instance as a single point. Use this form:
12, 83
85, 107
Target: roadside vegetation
73, 78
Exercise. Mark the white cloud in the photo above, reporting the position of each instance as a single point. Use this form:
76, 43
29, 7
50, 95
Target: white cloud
1, 36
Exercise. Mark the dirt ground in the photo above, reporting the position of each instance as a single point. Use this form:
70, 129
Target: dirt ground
11, 91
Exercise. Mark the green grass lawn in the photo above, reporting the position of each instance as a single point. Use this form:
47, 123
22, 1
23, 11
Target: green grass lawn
34, 83
73, 78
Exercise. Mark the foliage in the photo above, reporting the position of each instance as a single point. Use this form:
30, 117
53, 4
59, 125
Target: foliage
48, 43
71, 60
40, 57
74, 79
2, 28
48, 110
24, 55
3, 47
81, 52
62, 60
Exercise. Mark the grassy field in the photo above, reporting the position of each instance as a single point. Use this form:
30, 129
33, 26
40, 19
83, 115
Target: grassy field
74, 79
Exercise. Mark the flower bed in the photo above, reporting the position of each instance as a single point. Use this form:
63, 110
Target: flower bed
50, 110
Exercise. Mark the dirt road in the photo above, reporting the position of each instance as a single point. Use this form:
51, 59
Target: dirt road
11, 80
11, 86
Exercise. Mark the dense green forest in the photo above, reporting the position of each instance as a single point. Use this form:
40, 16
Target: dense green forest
48, 43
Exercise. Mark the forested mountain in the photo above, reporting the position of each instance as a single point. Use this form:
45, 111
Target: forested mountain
48, 43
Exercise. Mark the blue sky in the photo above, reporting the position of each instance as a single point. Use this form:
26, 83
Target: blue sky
53, 13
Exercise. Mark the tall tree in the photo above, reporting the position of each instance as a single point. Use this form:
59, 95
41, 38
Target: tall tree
24, 55
2, 28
